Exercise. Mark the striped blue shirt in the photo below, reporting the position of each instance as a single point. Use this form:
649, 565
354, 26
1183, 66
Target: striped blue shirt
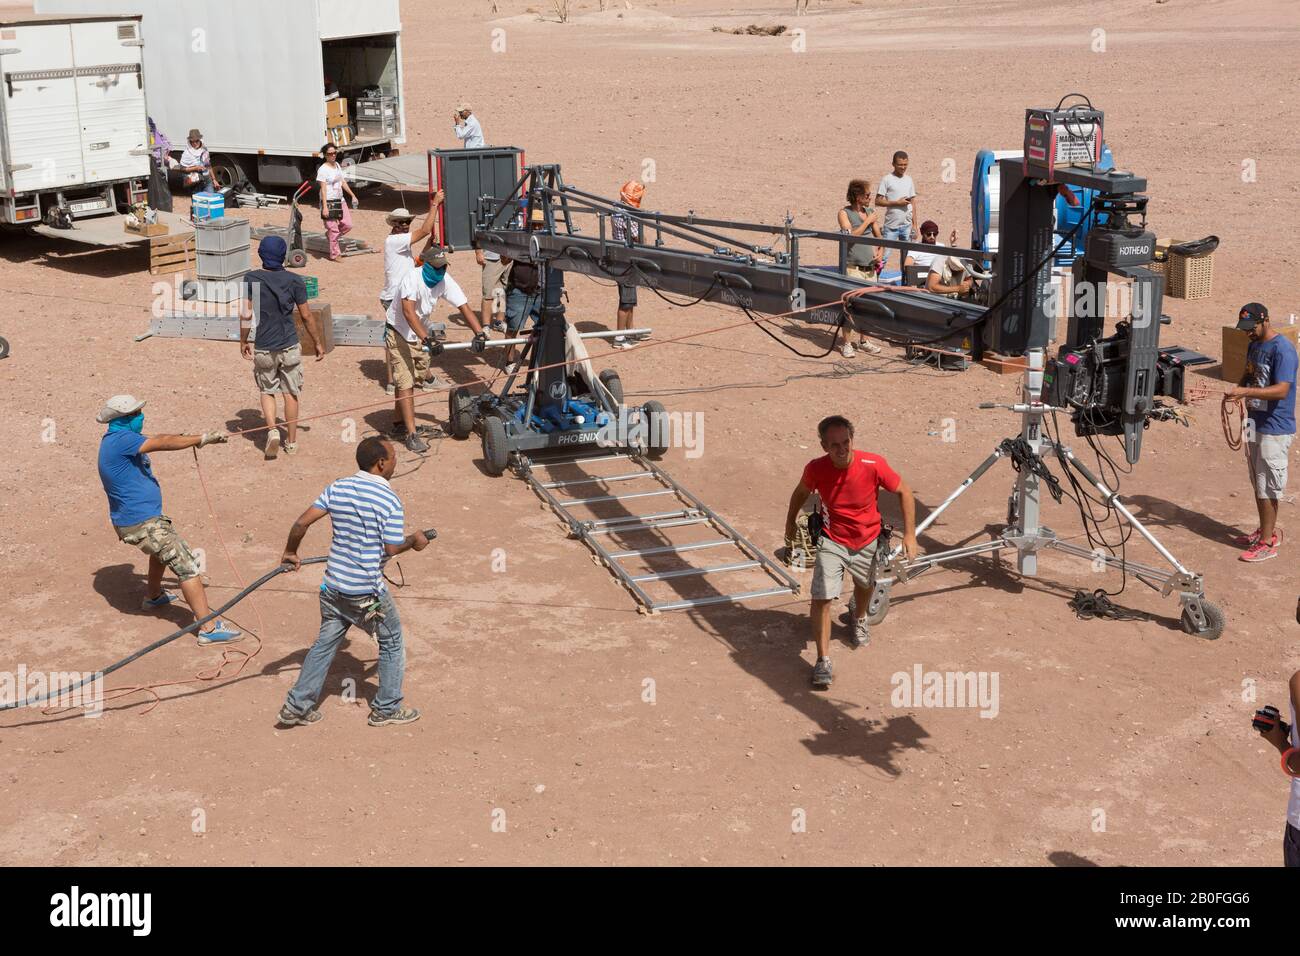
366, 515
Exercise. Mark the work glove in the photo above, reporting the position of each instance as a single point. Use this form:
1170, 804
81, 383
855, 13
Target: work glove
213, 438
479, 343
432, 346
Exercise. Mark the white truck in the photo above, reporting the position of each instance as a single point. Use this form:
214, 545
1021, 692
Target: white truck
251, 75
74, 133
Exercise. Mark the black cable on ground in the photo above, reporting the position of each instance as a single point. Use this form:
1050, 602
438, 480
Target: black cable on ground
1098, 604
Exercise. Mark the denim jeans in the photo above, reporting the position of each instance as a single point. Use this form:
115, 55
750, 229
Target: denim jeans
903, 233
338, 613
520, 306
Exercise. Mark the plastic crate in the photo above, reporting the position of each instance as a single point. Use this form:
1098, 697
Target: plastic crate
223, 265
313, 286
218, 290
222, 235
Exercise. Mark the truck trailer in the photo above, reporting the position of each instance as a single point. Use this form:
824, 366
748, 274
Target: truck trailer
268, 84
74, 133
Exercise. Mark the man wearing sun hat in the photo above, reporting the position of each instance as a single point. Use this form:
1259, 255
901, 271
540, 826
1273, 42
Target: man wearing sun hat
135, 508
400, 255
467, 127
1268, 388
626, 229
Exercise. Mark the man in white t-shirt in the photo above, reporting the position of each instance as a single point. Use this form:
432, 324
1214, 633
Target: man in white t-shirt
896, 194
399, 258
950, 277
467, 127
924, 258
409, 342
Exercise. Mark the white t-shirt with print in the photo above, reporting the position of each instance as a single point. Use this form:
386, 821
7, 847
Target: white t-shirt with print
332, 177
413, 287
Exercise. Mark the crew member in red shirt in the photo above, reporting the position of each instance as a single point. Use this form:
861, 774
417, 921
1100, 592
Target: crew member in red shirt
848, 481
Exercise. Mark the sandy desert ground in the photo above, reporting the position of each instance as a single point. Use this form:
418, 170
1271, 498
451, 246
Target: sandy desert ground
532, 681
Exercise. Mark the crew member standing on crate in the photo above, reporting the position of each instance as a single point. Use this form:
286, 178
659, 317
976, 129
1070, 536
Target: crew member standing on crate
848, 482
1268, 388
273, 295
335, 212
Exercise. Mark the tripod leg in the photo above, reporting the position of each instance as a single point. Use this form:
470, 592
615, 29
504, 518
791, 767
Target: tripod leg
974, 476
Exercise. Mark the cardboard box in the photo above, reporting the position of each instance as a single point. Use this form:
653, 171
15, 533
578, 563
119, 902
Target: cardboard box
1235, 344
340, 135
325, 319
156, 229
336, 112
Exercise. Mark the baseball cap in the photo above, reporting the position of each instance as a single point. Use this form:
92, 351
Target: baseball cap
119, 406
435, 256
1250, 314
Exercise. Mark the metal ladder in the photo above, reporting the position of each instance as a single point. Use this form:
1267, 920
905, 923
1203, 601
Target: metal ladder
593, 531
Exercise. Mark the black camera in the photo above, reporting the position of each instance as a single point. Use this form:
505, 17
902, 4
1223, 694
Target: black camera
1266, 718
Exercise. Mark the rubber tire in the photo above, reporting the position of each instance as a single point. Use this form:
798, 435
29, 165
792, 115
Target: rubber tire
880, 612
226, 171
653, 409
296, 259
496, 451
609, 378
4, 348
1214, 617
460, 413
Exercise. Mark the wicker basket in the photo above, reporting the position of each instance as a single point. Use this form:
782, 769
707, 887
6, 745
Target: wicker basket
1186, 277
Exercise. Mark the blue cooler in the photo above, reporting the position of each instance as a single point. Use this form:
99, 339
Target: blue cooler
209, 206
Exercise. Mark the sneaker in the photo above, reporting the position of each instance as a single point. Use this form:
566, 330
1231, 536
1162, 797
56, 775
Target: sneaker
403, 715
162, 600
870, 347
511, 369
221, 633
291, 448
847, 350
498, 325
861, 632
416, 444
272, 444
821, 675
424, 431
389, 390
289, 719
1259, 551
427, 384
1252, 539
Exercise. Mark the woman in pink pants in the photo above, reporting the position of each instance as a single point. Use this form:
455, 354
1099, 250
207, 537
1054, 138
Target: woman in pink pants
333, 185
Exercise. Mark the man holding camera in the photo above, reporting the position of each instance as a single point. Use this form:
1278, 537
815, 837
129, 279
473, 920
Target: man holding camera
409, 341
848, 482
1268, 388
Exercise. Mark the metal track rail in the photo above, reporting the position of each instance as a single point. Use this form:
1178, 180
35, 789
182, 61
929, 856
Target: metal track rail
694, 512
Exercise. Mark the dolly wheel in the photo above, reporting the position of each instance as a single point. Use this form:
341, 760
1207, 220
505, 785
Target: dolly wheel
609, 378
496, 452
657, 436
879, 606
297, 259
1214, 622
4, 348
460, 412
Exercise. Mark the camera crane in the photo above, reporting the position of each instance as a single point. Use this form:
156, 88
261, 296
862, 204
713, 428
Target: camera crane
1107, 385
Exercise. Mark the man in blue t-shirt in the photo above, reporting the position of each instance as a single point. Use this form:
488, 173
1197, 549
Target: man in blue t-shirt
135, 508
1268, 388
273, 295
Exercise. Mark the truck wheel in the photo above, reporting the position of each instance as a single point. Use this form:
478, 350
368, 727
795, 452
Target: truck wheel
296, 259
227, 173
656, 439
609, 378
496, 451
461, 412
4, 348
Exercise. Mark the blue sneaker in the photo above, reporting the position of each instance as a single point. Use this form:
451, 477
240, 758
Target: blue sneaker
162, 600
222, 633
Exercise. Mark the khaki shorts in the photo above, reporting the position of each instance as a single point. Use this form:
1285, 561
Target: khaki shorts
277, 372
1269, 455
832, 559
494, 278
407, 361
862, 275
157, 538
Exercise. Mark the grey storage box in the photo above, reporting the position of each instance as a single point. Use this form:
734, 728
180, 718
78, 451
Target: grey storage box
219, 290
376, 107
222, 235
223, 265
376, 129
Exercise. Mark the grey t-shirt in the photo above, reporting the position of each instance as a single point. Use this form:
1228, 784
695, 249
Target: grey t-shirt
860, 255
897, 187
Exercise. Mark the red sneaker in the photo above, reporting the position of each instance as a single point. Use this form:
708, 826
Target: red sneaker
1247, 540
1260, 551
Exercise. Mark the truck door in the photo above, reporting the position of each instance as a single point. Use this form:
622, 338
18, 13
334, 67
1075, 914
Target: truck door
40, 107
110, 98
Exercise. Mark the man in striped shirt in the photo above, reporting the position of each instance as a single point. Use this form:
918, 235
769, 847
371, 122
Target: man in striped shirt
368, 530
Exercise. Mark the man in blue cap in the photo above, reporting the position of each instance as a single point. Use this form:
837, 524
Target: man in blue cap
271, 296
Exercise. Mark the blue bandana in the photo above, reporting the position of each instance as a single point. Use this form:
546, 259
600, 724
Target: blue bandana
433, 275
128, 423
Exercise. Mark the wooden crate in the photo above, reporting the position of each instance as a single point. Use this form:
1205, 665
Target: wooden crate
324, 319
150, 229
169, 254
1235, 344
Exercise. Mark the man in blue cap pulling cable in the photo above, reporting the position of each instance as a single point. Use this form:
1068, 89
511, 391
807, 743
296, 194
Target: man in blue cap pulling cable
270, 297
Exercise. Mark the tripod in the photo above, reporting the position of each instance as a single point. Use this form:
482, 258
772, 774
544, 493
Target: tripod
1028, 537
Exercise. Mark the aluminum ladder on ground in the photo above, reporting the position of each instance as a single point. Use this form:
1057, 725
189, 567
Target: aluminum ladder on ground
594, 531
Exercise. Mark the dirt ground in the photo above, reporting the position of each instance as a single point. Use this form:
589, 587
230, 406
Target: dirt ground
1114, 742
